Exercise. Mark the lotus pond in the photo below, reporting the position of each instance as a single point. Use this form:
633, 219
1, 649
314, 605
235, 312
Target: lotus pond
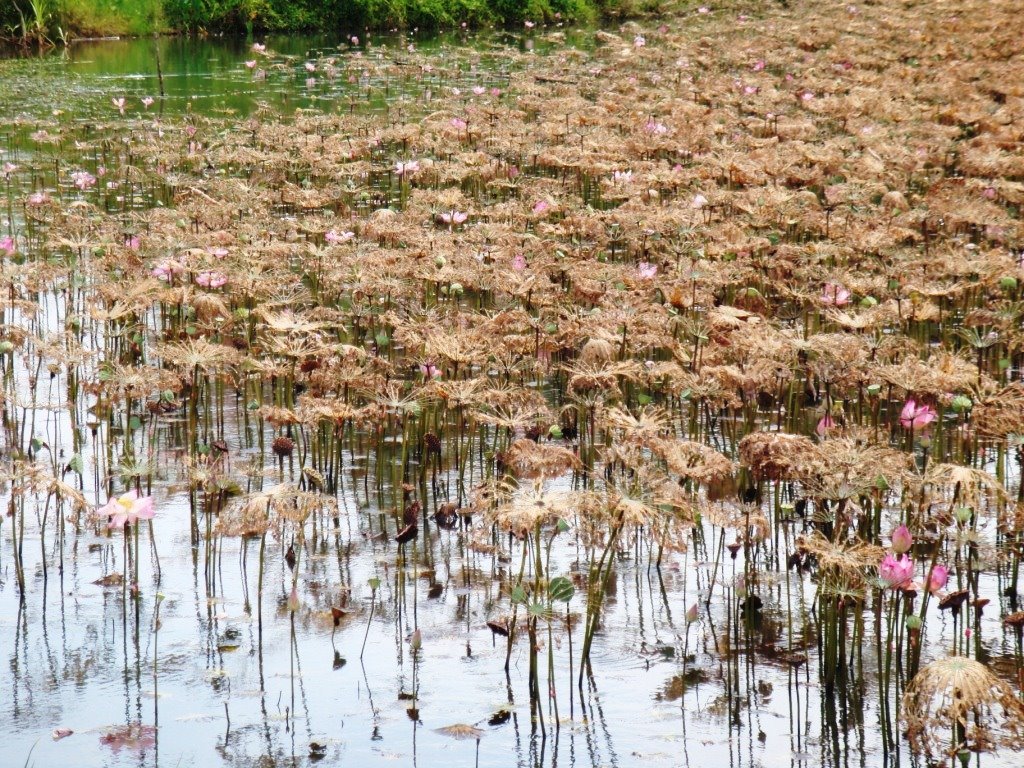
557, 397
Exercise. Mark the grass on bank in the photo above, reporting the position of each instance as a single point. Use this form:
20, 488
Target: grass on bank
56, 19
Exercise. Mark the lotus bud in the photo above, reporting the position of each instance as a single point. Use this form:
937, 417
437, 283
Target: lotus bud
938, 578
440, 261
293, 600
456, 289
6, 347
962, 403
914, 622
692, 613
964, 515
902, 541
416, 641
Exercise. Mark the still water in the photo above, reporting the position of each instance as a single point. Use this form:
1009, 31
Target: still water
196, 670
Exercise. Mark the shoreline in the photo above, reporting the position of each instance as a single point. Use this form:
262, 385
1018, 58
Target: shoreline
89, 21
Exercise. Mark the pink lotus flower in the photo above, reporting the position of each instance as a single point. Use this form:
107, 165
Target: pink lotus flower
824, 425
541, 206
211, 279
914, 416
459, 124
132, 242
699, 201
119, 103
938, 578
479, 90
655, 128
519, 262
354, 40
127, 509
639, 41
622, 177
835, 295
334, 237
250, 64
165, 270
902, 541
7, 245
454, 217
758, 65
646, 270
407, 168
38, 198
310, 66
9, 168
529, 24
896, 573
259, 47
147, 101
430, 371
83, 179
217, 252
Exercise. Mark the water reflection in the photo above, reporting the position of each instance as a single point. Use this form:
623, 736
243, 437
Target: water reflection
246, 646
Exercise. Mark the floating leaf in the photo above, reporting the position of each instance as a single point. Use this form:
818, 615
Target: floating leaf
500, 717
498, 628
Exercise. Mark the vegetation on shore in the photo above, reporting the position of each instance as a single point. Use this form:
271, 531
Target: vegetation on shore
62, 19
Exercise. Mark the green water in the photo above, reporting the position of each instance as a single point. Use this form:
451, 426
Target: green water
208, 76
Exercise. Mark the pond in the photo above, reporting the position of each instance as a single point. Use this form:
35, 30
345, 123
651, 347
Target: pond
501, 399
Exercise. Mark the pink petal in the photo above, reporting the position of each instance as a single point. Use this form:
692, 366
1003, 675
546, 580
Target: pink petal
143, 509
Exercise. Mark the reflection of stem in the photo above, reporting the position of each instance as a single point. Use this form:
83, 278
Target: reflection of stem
259, 588
156, 692
291, 668
601, 578
568, 629
373, 604
369, 694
